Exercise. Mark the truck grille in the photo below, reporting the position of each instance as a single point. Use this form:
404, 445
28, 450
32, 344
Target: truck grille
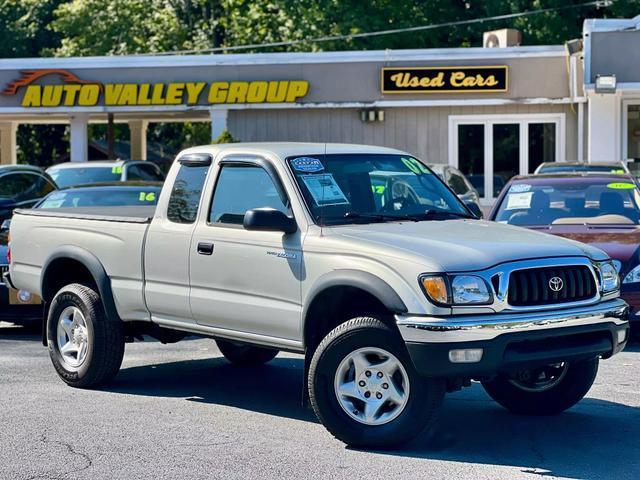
540, 286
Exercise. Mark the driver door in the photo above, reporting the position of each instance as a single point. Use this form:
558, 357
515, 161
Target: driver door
246, 281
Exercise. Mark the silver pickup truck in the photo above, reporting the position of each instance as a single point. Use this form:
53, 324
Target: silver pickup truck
358, 257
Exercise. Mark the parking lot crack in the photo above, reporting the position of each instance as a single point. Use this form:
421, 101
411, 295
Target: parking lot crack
86, 460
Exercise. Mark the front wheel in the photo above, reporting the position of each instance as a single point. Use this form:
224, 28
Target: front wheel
364, 389
85, 346
546, 390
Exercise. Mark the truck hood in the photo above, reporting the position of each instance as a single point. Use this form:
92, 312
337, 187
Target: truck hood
462, 245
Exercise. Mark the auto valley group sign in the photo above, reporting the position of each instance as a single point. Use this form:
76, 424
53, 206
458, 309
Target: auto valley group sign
62, 88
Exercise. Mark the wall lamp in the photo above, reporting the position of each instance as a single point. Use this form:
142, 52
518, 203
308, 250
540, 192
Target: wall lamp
605, 84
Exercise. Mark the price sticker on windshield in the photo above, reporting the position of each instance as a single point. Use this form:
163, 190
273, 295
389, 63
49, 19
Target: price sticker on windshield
517, 201
117, 169
415, 166
621, 186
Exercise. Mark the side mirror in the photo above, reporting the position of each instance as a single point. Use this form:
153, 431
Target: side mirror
5, 226
269, 220
475, 209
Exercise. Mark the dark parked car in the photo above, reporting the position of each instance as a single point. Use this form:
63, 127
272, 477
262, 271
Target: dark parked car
577, 167
459, 184
21, 186
71, 174
21, 307
599, 209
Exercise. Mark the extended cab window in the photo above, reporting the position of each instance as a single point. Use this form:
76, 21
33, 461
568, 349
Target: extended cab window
242, 188
186, 192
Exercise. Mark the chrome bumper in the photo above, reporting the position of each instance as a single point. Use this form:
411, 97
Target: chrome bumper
469, 328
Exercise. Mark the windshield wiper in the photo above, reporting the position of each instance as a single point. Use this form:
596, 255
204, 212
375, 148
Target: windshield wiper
380, 216
434, 213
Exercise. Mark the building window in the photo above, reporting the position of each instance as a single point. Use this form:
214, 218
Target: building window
490, 149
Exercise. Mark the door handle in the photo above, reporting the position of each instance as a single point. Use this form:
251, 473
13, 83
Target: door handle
205, 248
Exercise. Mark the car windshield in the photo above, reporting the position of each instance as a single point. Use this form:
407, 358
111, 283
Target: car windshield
67, 177
603, 202
102, 197
364, 188
559, 168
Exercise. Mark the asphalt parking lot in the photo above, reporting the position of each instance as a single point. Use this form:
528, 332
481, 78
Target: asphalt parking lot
181, 411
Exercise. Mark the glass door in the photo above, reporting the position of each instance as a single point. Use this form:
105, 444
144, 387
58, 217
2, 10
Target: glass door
491, 149
506, 156
471, 159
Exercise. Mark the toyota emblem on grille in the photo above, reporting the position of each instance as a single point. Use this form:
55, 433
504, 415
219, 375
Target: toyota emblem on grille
556, 284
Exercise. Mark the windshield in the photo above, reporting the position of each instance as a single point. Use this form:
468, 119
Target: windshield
67, 177
603, 202
101, 197
349, 188
559, 168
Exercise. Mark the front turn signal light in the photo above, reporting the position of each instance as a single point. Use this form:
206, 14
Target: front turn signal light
435, 286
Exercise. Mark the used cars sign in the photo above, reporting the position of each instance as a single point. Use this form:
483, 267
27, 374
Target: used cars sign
444, 79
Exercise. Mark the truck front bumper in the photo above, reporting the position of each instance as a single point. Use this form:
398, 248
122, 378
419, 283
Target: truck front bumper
450, 346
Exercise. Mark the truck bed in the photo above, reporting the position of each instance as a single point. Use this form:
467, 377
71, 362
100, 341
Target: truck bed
131, 214
37, 234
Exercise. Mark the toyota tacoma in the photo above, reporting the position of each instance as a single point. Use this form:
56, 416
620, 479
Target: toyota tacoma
358, 257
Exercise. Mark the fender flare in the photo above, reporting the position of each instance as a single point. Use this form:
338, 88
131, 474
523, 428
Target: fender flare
97, 271
359, 279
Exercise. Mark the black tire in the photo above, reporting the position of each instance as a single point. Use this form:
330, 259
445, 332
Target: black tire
245, 355
564, 394
105, 347
420, 410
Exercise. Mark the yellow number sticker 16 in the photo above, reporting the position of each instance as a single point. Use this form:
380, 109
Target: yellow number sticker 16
147, 197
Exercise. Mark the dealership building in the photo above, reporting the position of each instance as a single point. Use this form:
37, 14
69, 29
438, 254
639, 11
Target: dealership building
492, 112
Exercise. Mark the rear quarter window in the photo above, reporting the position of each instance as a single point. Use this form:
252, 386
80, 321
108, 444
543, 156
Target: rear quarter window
186, 193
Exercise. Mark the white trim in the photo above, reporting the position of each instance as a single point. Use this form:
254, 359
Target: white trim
163, 61
271, 106
488, 120
580, 150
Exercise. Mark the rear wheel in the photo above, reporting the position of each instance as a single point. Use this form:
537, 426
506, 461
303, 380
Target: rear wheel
547, 390
364, 389
245, 355
86, 347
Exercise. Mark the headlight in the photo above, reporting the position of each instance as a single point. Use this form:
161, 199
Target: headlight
457, 290
468, 290
609, 279
633, 276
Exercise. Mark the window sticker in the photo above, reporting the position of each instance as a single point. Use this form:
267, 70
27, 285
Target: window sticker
324, 190
117, 169
147, 197
520, 188
52, 203
378, 189
516, 201
618, 171
621, 186
307, 164
415, 166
